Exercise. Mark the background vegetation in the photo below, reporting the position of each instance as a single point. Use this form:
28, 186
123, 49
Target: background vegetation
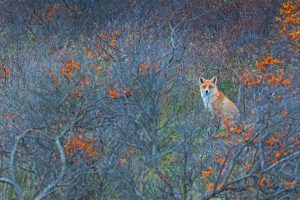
100, 99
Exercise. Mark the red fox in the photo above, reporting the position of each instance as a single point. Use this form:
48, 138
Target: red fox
216, 102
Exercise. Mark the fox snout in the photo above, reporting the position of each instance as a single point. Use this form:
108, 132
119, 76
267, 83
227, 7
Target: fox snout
207, 90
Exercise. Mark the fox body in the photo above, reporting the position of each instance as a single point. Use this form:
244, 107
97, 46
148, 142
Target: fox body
216, 102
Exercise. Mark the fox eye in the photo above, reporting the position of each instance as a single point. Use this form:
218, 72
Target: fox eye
210, 87
203, 87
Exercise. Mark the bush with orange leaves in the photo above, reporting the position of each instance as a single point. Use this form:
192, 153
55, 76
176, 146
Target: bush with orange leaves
77, 146
208, 173
70, 68
275, 134
289, 20
266, 73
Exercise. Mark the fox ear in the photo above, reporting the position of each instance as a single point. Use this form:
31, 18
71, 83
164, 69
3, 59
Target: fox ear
201, 80
214, 80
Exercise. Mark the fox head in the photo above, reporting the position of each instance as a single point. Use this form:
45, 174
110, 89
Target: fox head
208, 87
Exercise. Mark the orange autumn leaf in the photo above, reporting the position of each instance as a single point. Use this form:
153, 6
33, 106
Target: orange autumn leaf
228, 139
209, 186
144, 68
262, 182
76, 67
261, 67
290, 184
220, 187
63, 72
69, 64
277, 156
99, 69
277, 19
258, 81
219, 160
236, 130
211, 171
84, 145
70, 75
286, 82
226, 124
114, 94
285, 113
270, 142
90, 54
269, 60
204, 174
113, 41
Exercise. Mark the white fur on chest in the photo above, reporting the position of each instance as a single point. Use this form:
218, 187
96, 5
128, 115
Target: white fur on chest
208, 100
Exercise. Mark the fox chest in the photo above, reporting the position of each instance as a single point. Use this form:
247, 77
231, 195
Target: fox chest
208, 102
